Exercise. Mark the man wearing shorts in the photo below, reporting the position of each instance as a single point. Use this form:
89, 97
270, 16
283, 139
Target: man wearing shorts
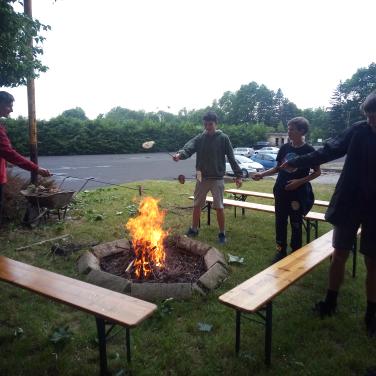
212, 146
353, 205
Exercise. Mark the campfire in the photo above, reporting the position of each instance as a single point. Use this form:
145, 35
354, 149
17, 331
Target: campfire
148, 239
153, 264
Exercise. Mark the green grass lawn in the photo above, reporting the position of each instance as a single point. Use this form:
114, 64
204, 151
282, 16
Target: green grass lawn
170, 343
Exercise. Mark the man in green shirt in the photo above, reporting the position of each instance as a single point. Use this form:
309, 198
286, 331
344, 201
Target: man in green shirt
212, 146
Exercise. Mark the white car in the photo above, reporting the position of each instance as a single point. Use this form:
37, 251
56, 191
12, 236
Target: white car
269, 150
247, 152
247, 166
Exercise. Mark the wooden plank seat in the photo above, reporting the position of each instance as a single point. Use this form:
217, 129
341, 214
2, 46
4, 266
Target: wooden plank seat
242, 195
108, 307
311, 219
255, 295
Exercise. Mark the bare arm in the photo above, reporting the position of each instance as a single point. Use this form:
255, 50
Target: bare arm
260, 175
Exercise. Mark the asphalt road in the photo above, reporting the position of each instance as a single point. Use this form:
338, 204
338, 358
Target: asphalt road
123, 168
113, 168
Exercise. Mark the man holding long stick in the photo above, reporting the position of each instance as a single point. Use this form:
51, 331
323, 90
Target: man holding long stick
212, 146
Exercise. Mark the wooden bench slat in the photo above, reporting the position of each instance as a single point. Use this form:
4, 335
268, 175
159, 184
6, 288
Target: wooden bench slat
250, 193
262, 207
254, 293
267, 195
107, 304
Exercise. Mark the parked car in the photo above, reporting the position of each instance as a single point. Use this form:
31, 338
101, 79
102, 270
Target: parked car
247, 165
261, 144
267, 160
269, 149
247, 152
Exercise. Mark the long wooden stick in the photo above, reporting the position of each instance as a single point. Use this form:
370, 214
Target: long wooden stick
42, 242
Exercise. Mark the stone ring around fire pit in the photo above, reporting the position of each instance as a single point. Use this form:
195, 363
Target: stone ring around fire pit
210, 269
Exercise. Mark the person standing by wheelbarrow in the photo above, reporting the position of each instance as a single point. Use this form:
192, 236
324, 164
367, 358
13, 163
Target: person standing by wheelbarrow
7, 153
212, 146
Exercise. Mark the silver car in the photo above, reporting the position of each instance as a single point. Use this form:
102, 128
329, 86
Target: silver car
247, 165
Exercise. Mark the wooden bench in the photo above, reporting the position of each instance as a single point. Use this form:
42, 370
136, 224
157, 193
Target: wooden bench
241, 194
256, 294
107, 306
312, 218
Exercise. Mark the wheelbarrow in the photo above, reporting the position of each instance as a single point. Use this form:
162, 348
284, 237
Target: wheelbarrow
41, 204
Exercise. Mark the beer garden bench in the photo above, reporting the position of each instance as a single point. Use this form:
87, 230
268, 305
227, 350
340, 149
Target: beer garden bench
241, 194
255, 295
312, 218
108, 307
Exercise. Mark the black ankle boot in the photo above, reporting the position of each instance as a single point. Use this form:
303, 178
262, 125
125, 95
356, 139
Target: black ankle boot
370, 322
324, 309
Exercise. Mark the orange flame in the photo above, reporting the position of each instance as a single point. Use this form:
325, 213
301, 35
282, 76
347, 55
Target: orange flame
147, 237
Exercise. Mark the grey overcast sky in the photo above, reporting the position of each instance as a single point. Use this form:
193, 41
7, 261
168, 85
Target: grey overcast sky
168, 54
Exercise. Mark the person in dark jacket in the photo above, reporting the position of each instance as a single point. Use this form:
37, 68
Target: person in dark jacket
353, 204
7, 153
212, 146
292, 190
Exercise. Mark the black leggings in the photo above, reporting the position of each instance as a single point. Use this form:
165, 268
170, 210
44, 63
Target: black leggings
287, 205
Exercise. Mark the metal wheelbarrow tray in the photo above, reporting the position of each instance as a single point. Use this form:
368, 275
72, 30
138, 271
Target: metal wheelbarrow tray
42, 203
49, 200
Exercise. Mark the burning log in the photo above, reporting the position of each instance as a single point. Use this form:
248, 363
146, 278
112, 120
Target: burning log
128, 270
147, 238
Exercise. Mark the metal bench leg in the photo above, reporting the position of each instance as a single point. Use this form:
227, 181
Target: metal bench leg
237, 332
101, 328
308, 231
268, 333
316, 229
243, 198
128, 343
354, 249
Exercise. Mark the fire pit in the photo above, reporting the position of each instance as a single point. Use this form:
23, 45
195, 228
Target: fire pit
154, 264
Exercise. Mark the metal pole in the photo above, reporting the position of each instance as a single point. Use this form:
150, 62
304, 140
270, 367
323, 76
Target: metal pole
31, 104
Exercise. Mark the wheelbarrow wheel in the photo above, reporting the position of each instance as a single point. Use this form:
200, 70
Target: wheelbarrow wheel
33, 216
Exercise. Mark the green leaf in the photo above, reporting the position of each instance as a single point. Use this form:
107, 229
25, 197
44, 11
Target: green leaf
61, 335
204, 327
235, 259
18, 332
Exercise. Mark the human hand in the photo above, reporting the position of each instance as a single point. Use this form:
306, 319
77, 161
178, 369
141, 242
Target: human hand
257, 176
176, 157
44, 172
286, 166
238, 182
292, 185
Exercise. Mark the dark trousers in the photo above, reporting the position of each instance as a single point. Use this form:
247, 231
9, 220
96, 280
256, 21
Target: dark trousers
288, 206
1, 202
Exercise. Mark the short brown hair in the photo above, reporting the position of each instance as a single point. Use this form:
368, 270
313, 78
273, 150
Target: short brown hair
369, 104
6, 98
300, 123
210, 116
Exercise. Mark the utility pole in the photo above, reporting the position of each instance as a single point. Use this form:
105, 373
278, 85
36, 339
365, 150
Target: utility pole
31, 104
